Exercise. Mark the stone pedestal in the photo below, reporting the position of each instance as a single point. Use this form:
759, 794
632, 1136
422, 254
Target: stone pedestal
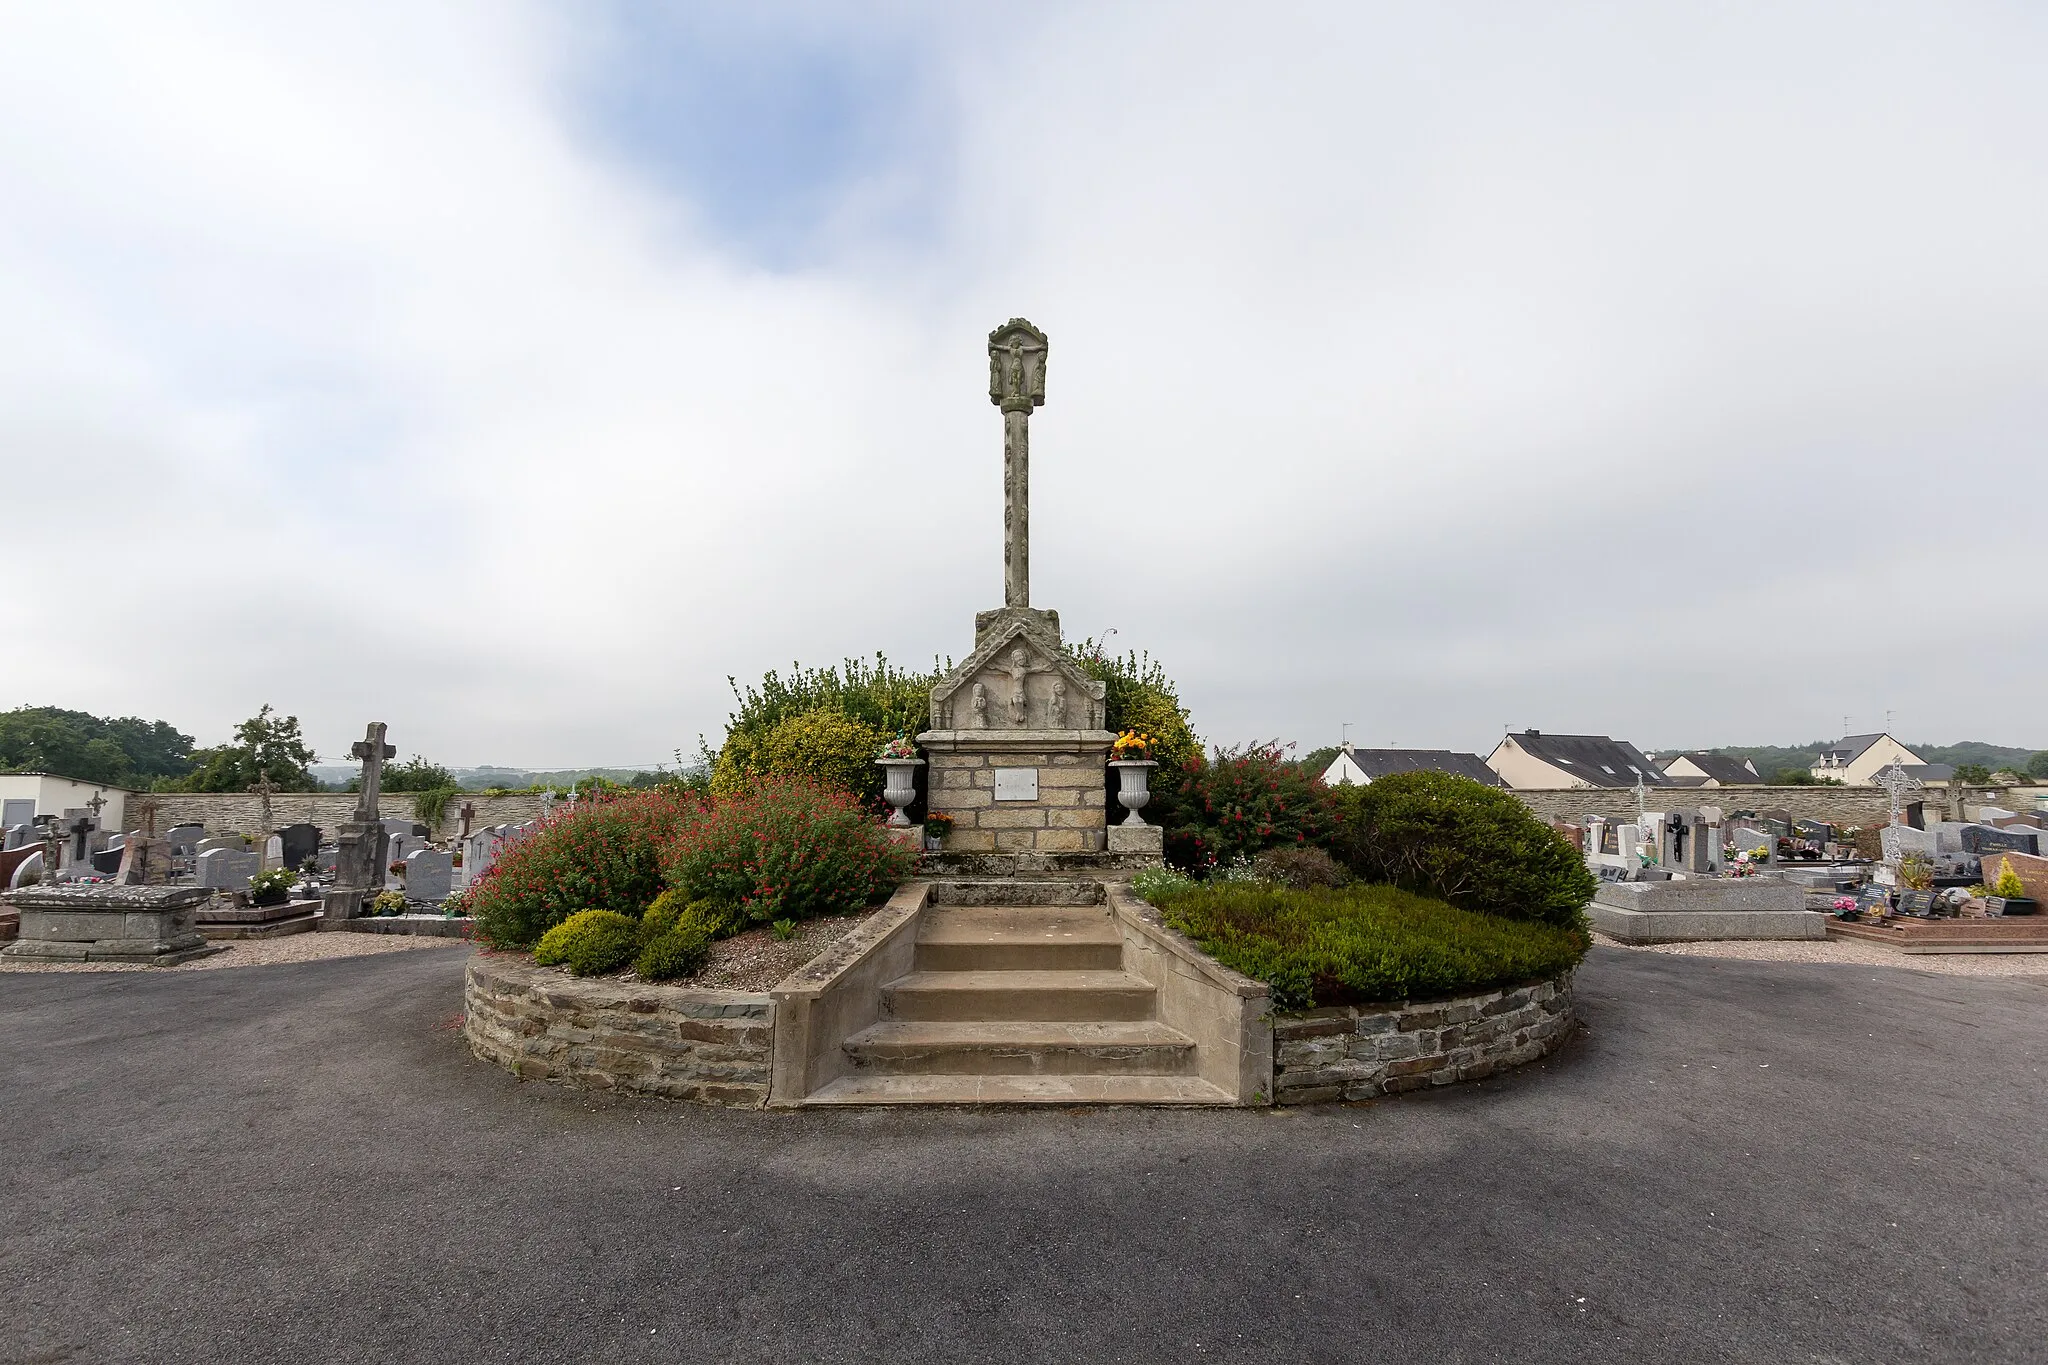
1139, 840
339, 905
1020, 791
101, 923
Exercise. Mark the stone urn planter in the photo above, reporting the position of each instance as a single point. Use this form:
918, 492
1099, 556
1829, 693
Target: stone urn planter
1133, 786
901, 788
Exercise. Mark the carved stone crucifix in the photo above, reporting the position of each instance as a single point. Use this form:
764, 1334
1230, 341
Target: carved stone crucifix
373, 751
1020, 668
1016, 384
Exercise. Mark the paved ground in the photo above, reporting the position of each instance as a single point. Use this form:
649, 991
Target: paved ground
1740, 1161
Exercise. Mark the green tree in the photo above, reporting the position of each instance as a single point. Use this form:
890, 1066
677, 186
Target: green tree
1316, 762
267, 744
416, 774
877, 699
2037, 766
1139, 696
1973, 775
127, 751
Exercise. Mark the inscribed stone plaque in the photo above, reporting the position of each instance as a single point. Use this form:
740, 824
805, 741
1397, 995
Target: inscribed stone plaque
1016, 784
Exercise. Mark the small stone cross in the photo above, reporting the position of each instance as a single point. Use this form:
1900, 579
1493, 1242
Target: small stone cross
468, 813
96, 805
148, 811
79, 830
263, 787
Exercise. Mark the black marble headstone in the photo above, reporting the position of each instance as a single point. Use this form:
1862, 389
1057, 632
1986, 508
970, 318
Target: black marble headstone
299, 842
1991, 839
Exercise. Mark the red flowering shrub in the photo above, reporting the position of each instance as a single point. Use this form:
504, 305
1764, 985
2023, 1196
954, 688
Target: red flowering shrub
785, 850
603, 854
1241, 801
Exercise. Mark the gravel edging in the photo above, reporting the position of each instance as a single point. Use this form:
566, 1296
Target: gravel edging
1837, 950
259, 953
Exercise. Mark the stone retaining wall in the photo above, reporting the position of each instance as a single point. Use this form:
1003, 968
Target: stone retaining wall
222, 812
1360, 1052
714, 1047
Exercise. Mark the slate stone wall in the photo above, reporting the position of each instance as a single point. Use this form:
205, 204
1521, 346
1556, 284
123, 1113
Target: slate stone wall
224, 812
1360, 1052
713, 1047
1862, 806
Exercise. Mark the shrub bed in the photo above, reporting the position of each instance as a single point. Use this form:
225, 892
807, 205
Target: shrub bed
597, 855
1238, 803
1358, 944
785, 850
1463, 842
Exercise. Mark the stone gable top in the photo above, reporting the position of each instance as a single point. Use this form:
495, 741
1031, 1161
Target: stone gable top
1041, 689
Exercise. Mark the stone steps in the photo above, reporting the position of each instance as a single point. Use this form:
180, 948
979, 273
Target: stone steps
1014, 1089
1019, 999
1022, 1047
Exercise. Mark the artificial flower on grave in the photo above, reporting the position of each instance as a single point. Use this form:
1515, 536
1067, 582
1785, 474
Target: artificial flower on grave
899, 748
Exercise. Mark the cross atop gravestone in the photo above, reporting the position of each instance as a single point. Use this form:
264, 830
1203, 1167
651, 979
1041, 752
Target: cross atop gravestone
1896, 782
1016, 384
263, 788
373, 751
96, 805
80, 831
1642, 803
468, 813
147, 809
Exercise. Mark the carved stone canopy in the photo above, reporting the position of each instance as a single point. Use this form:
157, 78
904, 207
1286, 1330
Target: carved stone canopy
1017, 678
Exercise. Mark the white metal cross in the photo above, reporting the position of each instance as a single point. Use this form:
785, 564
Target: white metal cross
1896, 782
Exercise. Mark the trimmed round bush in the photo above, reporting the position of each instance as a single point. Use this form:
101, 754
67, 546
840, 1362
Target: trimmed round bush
590, 943
1460, 841
680, 952
826, 746
1300, 867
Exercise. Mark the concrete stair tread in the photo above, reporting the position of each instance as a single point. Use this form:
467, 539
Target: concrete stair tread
1020, 994
1018, 924
923, 1035
968, 1089
1051, 979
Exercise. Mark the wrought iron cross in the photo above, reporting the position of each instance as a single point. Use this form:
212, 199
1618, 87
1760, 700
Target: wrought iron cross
1896, 782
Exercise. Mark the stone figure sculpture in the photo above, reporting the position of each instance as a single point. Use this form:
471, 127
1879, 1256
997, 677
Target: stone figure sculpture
1056, 709
979, 720
1020, 668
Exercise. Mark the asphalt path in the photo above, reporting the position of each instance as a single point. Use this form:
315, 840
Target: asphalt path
1736, 1161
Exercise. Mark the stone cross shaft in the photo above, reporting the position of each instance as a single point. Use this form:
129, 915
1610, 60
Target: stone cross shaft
1016, 384
373, 751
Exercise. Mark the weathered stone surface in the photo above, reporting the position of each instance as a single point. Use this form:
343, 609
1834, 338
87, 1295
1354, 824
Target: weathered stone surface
109, 923
713, 1047
1363, 1052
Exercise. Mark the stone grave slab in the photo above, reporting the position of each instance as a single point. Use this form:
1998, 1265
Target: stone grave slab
1704, 908
148, 924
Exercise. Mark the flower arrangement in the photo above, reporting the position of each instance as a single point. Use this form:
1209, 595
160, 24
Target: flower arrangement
1845, 907
388, 903
1131, 747
937, 824
899, 748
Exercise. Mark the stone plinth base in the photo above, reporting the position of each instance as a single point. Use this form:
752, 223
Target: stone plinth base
1704, 908
106, 923
910, 836
1101, 867
339, 905
975, 776
1138, 840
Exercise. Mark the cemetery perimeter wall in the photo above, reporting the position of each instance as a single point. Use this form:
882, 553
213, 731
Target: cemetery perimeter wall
1359, 1052
714, 1047
225, 812
1860, 806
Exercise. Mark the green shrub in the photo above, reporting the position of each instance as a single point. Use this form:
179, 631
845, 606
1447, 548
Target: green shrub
679, 952
1137, 695
824, 746
1362, 944
603, 854
879, 696
589, 943
674, 908
1238, 804
786, 850
1461, 841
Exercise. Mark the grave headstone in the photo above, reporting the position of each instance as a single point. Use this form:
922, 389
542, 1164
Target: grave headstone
273, 853
1982, 839
145, 861
429, 875
185, 840
234, 843
1919, 904
301, 842
226, 870
327, 858
17, 811
17, 836
106, 862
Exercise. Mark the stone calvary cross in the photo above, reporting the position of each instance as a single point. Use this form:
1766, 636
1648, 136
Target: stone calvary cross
1016, 384
373, 751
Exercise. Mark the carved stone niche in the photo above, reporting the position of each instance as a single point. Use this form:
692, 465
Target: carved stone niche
1017, 678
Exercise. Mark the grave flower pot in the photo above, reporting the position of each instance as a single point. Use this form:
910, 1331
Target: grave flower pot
1133, 786
901, 788
276, 895
2013, 905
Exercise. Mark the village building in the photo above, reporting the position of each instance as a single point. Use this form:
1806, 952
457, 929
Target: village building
24, 796
1709, 770
1355, 767
1858, 759
1534, 761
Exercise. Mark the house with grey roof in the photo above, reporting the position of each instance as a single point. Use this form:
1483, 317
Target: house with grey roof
1858, 759
1355, 767
1709, 770
1534, 761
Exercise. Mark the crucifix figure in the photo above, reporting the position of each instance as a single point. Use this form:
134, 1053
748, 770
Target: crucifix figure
373, 751
80, 831
1016, 384
1020, 668
263, 787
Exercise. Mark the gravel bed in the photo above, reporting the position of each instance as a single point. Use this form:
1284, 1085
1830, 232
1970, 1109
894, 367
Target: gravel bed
757, 960
1844, 950
259, 953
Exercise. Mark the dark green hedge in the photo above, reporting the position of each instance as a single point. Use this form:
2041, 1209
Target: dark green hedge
1360, 944
1461, 841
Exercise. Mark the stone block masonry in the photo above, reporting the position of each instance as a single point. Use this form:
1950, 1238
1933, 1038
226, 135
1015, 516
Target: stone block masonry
1067, 816
1360, 1052
223, 811
1860, 806
713, 1047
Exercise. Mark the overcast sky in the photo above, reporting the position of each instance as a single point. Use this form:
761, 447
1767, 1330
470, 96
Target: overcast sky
513, 373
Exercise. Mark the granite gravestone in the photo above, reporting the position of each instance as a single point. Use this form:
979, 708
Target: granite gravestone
17, 811
184, 840
429, 875
224, 869
301, 842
